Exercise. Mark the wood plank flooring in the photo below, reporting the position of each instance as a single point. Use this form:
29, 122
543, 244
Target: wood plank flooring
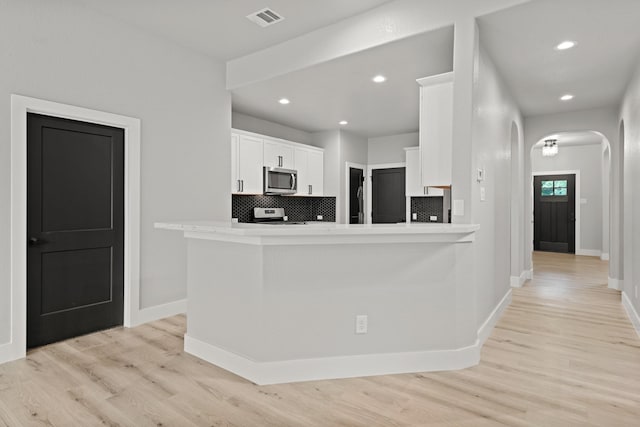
563, 354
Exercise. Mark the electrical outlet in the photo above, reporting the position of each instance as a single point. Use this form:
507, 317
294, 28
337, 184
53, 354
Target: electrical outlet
414, 216
362, 321
433, 218
319, 217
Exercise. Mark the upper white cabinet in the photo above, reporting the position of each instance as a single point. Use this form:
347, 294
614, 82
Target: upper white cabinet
309, 162
436, 129
251, 151
414, 187
278, 154
246, 164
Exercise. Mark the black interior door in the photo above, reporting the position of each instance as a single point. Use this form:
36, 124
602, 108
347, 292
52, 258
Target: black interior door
356, 196
75, 225
388, 195
554, 213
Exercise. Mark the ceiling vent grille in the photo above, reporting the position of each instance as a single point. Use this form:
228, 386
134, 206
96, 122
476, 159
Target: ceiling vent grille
265, 17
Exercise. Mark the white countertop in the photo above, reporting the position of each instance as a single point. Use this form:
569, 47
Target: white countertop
322, 232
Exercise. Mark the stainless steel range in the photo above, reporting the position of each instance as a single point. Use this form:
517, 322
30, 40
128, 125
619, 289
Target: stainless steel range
273, 216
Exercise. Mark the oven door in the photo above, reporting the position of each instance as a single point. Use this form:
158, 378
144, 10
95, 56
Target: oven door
280, 181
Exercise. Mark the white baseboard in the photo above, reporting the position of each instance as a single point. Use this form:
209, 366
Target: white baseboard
588, 252
162, 311
487, 327
615, 284
528, 274
604, 256
631, 312
287, 371
518, 281
7, 353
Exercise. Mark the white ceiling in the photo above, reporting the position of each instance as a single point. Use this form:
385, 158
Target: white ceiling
342, 89
521, 41
219, 28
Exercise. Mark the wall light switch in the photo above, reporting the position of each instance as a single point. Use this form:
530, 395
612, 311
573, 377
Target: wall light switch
362, 324
414, 216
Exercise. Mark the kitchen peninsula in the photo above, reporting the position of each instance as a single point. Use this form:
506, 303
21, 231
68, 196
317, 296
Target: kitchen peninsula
287, 303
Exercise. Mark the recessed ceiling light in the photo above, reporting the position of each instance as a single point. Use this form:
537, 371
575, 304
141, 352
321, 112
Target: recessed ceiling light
568, 44
567, 97
344, 122
284, 101
379, 79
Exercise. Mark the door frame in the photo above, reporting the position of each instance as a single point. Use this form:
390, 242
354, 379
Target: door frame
579, 250
347, 179
369, 180
20, 106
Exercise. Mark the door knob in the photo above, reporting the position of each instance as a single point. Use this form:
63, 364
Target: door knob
34, 241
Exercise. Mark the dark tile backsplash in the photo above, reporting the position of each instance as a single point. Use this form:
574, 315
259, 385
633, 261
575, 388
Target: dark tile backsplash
427, 206
296, 208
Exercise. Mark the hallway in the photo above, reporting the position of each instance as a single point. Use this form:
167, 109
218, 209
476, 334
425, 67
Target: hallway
563, 354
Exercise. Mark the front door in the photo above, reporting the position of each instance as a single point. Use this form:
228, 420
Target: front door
554, 213
75, 225
388, 199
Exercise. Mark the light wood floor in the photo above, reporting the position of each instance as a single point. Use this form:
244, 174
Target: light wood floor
564, 354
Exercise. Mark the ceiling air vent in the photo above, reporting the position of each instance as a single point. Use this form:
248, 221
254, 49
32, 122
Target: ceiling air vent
265, 17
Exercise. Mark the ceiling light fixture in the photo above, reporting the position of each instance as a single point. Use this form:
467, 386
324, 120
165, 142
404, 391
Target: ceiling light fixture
567, 97
568, 44
379, 79
284, 101
344, 122
550, 147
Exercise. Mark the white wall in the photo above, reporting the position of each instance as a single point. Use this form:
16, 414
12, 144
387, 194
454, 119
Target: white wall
603, 121
390, 149
264, 127
330, 141
630, 116
62, 52
494, 113
588, 160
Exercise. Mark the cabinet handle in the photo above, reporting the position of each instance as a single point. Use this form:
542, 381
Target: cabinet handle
242, 185
280, 162
426, 191
239, 187
310, 189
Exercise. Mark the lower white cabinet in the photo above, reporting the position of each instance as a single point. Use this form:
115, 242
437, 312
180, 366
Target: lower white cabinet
309, 163
414, 187
246, 164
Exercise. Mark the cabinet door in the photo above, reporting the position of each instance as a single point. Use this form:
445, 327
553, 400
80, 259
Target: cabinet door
301, 165
315, 175
278, 155
436, 128
250, 159
235, 179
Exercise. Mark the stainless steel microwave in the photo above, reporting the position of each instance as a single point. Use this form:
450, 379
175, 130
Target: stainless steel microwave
280, 181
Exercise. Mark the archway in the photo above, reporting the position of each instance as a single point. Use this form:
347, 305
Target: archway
593, 202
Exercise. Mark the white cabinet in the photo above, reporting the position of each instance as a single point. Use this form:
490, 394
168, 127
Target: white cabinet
436, 129
278, 154
246, 164
309, 163
414, 187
